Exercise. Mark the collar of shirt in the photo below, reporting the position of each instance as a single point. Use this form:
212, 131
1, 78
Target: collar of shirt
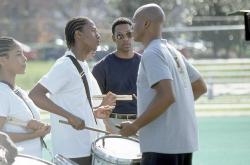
84, 63
155, 42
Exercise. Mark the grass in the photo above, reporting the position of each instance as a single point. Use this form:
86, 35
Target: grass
34, 71
222, 141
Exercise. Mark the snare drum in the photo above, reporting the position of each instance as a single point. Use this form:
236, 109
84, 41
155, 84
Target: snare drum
29, 160
115, 150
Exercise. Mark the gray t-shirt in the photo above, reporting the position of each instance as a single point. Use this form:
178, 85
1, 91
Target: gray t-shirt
175, 131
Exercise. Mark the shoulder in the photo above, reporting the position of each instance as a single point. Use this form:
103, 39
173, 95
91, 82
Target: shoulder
105, 59
108, 57
5, 94
151, 52
63, 63
137, 55
23, 92
64, 60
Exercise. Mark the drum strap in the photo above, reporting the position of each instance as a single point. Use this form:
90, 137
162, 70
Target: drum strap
18, 93
84, 80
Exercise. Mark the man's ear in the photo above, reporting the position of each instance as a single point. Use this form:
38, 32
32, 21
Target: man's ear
147, 24
2, 59
77, 34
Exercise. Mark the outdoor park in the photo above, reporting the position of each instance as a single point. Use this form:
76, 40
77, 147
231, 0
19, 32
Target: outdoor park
202, 30
223, 113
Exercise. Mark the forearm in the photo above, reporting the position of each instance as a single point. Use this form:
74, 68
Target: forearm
18, 137
43, 102
163, 99
199, 88
154, 110
197, 94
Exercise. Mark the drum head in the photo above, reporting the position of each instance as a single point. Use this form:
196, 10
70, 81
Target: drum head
29, 160
117, 149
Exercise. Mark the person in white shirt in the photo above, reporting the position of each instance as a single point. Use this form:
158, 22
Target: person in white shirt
167, 86
19, 117
68, 96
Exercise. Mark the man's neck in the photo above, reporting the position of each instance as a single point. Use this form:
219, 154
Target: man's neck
154, 34
124, 55
80, 54
147, 41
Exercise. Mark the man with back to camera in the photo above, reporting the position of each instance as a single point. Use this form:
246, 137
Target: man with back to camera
167, 86
117, 72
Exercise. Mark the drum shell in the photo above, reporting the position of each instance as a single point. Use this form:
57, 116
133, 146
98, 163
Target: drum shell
29, 160
99, 157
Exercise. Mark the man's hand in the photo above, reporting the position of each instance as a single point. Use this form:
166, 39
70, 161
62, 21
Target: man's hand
76, 122
8, 150
103, 112
43, 131
128, 129
109, 99
35, 124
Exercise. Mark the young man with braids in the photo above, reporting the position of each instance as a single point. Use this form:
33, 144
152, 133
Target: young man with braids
117, 72
68, 97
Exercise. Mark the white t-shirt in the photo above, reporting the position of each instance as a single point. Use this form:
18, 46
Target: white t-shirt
13, 106
67, 91
174, 131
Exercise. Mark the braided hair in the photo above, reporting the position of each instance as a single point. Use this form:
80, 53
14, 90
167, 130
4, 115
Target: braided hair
73, 25
6, 45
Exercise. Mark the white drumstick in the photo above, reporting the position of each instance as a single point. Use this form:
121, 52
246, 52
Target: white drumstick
118, 97
88, 128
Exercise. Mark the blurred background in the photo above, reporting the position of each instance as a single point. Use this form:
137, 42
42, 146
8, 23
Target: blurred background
201, 29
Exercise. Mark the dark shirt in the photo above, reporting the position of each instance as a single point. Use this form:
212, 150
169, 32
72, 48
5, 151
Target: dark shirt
119, 76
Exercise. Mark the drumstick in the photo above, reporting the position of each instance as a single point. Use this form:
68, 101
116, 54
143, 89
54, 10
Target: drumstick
19, 122
118, 97
134, 96
88, 128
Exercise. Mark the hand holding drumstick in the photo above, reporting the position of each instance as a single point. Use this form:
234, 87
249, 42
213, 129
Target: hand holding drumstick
103, 112
106, 107
128, 129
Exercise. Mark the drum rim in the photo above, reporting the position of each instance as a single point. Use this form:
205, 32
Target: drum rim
98, 154
34, 158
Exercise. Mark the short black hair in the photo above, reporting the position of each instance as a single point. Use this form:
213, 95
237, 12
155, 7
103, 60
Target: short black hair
73, 25
119, 21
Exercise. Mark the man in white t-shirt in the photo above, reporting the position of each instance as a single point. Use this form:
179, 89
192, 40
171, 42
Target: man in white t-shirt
68, 96
167, 86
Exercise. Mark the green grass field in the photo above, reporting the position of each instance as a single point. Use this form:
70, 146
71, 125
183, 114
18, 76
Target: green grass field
34, 71
223, 140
